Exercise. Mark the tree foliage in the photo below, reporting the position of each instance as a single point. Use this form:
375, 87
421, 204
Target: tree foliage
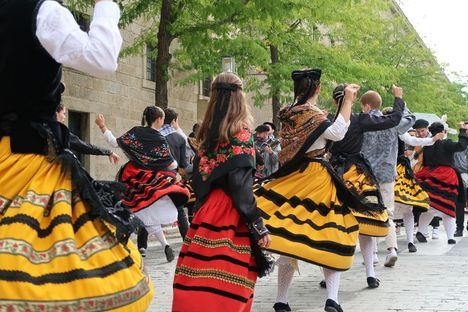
363, 41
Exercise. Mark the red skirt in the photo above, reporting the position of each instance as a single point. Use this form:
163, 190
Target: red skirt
215, 270
145, 187
441, 184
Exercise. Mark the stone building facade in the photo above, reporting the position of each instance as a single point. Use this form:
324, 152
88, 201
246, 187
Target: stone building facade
122, 97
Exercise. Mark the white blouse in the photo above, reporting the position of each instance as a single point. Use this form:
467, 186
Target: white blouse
95, 52
336, 132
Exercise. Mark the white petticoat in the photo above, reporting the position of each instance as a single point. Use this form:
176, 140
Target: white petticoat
163, 211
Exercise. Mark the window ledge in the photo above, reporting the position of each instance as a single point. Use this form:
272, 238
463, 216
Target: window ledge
148, 84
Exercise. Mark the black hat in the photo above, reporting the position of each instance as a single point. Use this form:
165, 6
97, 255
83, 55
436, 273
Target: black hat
313, 74
421, 123
272, 125
262, 128
436, 127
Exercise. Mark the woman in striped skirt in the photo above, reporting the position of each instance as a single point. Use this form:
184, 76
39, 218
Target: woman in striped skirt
305, 207
63, 237
441, 181
221, 258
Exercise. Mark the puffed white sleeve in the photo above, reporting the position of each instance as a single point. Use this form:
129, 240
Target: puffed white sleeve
337, 131
94, 53
414, 141
110, 138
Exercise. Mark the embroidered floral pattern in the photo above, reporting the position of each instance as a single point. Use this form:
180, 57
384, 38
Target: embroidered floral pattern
40, 200
59, 249
94, 304
241, 143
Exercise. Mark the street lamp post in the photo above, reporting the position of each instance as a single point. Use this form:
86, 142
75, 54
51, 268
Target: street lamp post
228, 64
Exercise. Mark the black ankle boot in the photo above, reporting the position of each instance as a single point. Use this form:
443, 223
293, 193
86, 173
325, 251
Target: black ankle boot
169, 253
373, 282
332, 306
452, 242
281, 307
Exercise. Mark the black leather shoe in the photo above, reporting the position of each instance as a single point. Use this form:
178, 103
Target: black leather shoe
452, 242
142, 252
169, 253
412, 248
332, 306
373, 282
458, 233
421, 238
281, 307
323, 284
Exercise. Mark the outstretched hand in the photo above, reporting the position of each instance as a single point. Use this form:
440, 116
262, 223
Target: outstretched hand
114, 158
397, 91
438, 136
351, 91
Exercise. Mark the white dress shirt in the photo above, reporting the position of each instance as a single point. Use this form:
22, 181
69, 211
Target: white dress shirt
336, 132
95, 52
112, 141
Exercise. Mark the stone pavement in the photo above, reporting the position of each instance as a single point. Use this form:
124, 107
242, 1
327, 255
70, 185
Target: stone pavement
433, 279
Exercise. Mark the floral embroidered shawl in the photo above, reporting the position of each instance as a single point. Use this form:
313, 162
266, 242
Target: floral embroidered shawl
146, 147
301, 126
209, 166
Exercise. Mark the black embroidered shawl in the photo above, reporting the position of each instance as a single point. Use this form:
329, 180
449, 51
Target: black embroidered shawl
146, 147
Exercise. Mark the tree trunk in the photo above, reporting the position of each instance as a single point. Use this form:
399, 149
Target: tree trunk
275, 92
163, 57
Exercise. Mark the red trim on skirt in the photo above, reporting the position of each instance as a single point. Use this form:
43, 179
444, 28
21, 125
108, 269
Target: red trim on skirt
441, 184
215, 270
145, 187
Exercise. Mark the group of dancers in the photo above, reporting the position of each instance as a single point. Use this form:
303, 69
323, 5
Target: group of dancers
64, 237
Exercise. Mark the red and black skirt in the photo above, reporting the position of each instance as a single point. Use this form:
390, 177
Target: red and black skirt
216, 270
441, 184
145, 187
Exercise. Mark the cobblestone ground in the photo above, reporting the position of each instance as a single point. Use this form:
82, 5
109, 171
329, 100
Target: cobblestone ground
433, 279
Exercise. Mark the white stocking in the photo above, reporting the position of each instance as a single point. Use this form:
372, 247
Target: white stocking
332, 278
367, 250
286, 270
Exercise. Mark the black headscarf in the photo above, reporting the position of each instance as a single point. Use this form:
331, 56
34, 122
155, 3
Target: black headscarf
146, 147
313, 80
338, 96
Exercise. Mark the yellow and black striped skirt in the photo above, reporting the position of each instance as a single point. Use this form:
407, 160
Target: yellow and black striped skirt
54, 254
375, 224
307, 220
408, 191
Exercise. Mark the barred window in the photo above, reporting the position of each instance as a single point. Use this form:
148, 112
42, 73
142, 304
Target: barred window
150, 63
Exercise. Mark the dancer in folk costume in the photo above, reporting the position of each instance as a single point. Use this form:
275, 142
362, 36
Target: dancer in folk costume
358, 176
441, 181
221, 258
63, 237
408, 193
153, 192
306, 207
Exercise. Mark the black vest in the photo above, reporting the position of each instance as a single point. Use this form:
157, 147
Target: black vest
29, 77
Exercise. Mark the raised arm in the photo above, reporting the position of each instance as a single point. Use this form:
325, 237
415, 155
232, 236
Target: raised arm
414, 141
337, 131
95, 52
108, 135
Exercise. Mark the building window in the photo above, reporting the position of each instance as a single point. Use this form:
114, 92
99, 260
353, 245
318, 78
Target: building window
206, 87
78, 125
150, 63
83, 20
